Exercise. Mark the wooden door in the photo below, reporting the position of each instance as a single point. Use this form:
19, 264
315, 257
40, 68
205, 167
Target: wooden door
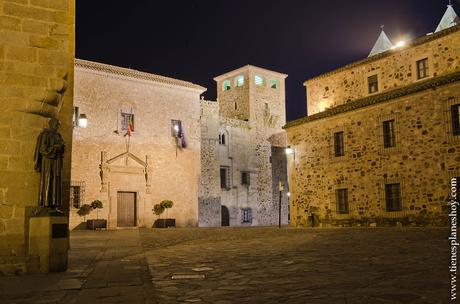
126, 209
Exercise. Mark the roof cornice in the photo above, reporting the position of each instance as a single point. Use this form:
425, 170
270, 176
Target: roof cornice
416, 42
119, 71
380, 98
250, 68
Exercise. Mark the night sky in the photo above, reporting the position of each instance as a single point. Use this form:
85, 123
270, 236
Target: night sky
197, 40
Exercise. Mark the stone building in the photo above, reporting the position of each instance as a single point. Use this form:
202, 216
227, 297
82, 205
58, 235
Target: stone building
242, 150
160, 157
36, 83
227, 174
382, 137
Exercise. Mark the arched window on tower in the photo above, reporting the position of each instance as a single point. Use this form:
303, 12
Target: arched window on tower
222, 138
239, 81
258, 80
226, 85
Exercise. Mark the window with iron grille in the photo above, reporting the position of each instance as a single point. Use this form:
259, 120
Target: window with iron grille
126, 120
389, 139
393, 197
338, 144
422, 68
77, 194
225, 178
246, 215
342, 201
455, 115
245, 178
373, 84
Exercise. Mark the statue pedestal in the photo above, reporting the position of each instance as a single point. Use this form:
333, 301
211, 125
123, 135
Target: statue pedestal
49, 239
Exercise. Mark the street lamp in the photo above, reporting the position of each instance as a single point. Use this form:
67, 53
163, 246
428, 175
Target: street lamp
82, 121
289, 150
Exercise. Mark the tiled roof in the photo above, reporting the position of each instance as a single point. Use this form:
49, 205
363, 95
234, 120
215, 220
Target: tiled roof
115, 70
380, 98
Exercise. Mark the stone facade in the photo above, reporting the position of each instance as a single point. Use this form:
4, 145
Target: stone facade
236, 131
424, 153
36, 81
149, 164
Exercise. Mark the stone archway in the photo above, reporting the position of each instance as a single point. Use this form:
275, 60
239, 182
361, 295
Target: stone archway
225, 216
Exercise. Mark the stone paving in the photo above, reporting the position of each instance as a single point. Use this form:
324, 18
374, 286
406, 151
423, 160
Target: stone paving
245, 265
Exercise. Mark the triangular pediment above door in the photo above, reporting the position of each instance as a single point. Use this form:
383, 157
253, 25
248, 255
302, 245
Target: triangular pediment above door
126, 159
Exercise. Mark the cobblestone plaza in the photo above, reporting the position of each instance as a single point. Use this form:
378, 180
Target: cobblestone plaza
245, 265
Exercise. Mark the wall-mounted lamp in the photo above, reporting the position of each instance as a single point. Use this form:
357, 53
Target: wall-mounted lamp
79, 120
289, 150
82, 121
289, 194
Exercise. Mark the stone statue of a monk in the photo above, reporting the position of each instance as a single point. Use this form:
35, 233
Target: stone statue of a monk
49, 154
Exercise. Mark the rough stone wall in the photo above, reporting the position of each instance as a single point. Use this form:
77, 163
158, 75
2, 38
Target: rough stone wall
279, 174
260, 113
234, 103
36, 54
174, 173
425, 158
209, 192
394, 69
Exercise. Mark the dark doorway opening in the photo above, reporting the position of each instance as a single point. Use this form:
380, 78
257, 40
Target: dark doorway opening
225, 216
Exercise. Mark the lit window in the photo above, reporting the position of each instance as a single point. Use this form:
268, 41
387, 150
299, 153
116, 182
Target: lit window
422, 68
393, 197
373, 84
246, 215
239, 81
176, 128
226, 85
455, 115
127, 121
342, 200
389, 139
273, 84
338, 144
259, 80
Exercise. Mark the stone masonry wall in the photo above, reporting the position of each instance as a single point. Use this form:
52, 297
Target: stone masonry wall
209, 192
36, 61
393, 68
426, 156
259, 113
173, 173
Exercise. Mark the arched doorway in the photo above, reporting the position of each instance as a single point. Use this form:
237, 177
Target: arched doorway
225, 216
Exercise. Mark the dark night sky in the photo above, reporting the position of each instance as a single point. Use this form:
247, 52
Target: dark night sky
197, 40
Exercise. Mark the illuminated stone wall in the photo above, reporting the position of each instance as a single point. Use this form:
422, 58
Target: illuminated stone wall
102, 92
394, 69
426, 154
248, 129
36, 61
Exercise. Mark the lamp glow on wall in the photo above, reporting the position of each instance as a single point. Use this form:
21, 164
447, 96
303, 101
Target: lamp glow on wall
289, 150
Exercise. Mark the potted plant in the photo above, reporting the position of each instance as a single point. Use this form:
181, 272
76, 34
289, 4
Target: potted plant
158, 209
84, 211
97, 223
